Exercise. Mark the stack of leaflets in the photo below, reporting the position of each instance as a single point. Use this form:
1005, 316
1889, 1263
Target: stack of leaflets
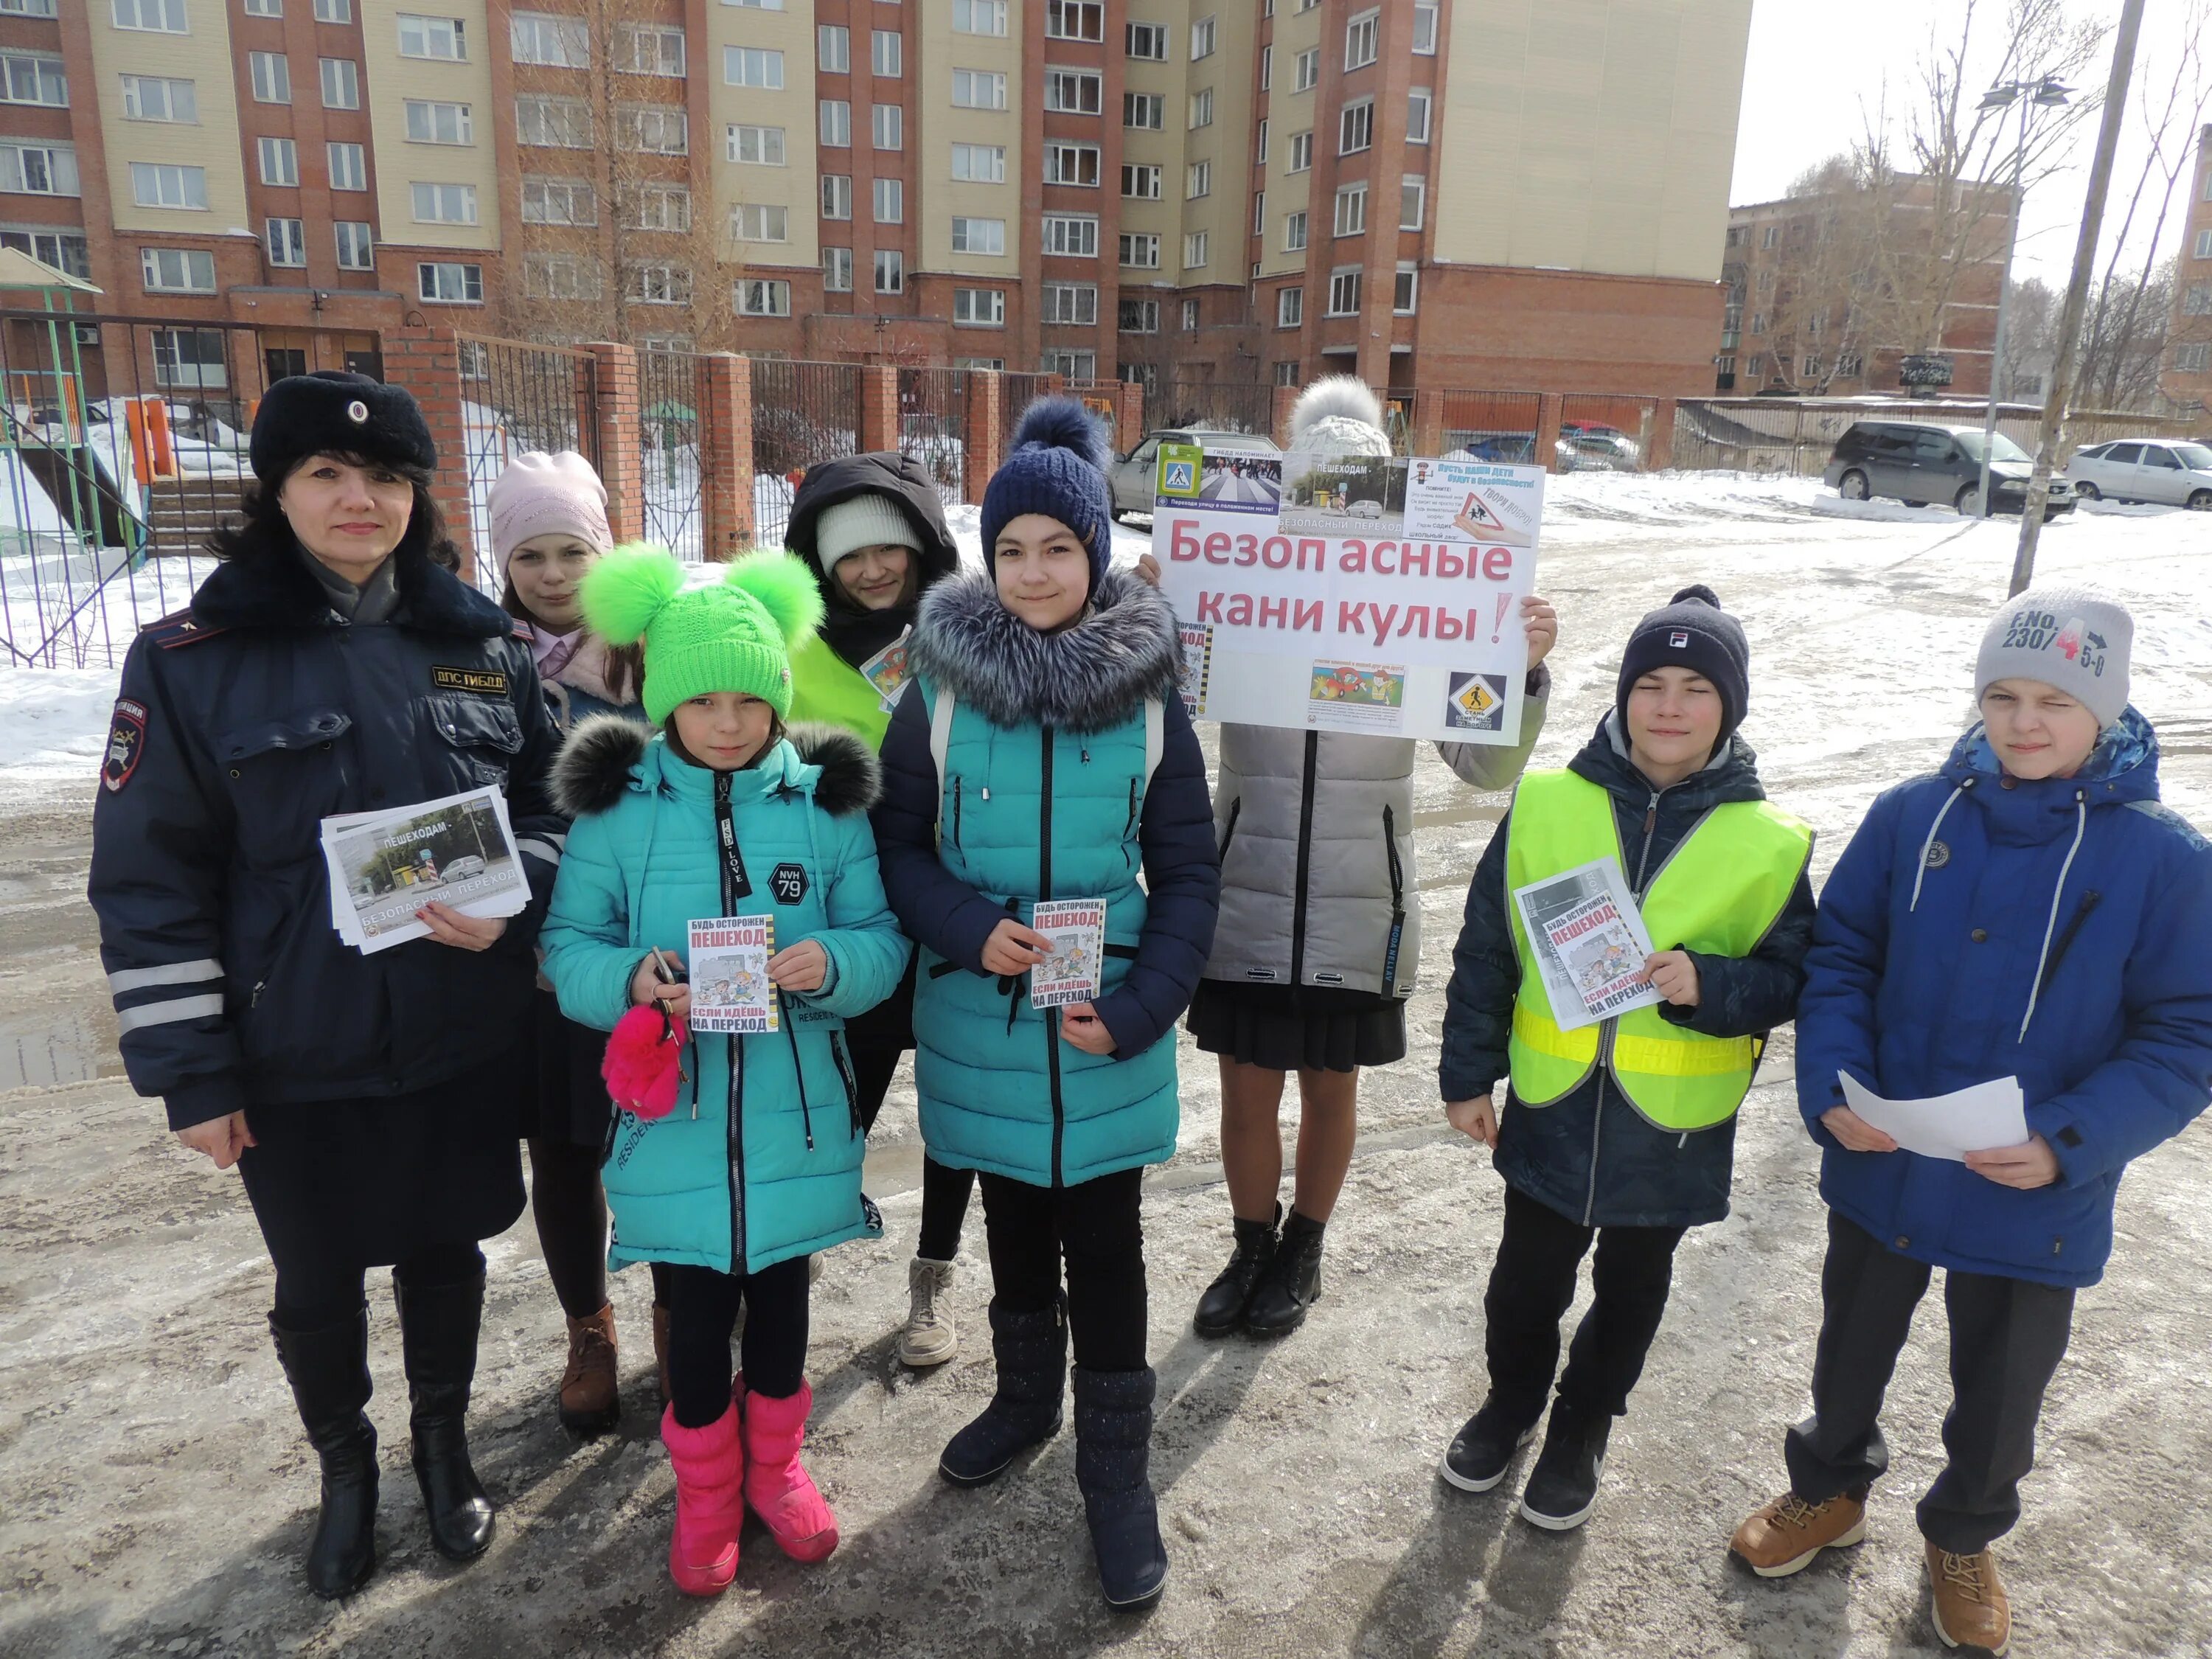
1070, 972
384, 866
731, 990
1589, 942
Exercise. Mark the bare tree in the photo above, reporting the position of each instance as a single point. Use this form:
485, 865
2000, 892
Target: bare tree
2031, 335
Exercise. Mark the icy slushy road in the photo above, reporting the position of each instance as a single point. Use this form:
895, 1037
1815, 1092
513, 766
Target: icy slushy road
154, 1491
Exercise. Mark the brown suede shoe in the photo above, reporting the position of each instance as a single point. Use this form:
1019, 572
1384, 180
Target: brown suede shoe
589, 1403
660, 1350
1784, 1536
1971, 1607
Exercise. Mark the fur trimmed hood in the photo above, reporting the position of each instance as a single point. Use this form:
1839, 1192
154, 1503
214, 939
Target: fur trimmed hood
1085, 677
599, 762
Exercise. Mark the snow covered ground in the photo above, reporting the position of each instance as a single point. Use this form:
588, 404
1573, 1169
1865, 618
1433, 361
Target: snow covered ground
155, 1494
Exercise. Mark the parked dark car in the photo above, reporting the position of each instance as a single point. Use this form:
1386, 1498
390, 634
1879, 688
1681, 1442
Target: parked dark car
1918, 462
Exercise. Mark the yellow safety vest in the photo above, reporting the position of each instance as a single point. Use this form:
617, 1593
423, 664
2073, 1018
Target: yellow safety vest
1719, 893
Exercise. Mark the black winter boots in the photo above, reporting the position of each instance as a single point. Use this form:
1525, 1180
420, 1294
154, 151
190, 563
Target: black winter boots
1222, 1309
1562, 1488
1291, 1283
438, 1332
1112, 1459
1031, 1350
329, 1373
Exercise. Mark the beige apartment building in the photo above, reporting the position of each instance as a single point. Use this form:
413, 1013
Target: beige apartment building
1504, 193
2187, 380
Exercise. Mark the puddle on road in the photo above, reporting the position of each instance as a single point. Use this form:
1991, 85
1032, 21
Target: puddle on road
45, 1047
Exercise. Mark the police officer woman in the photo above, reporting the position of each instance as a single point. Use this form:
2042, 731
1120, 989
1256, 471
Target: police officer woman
332, 664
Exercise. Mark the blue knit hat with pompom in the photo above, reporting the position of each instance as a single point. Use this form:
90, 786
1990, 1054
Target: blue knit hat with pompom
1058, 468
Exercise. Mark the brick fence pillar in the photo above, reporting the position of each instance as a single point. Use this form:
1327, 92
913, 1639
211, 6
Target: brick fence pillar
1131, 432
981, 447
1428, 422
725, 456
880, 408
616, 418
1549, 406
1659, 453
427, 362
1285, 399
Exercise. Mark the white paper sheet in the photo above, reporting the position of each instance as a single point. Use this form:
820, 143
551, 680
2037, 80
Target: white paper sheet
1980, 1118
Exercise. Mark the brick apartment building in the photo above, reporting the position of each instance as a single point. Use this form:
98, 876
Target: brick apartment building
1510, 193
2187, 380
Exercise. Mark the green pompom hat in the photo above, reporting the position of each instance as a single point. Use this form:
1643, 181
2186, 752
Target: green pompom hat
735, 635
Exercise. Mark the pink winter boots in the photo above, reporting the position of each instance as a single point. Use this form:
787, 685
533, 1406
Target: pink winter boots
721, 1468
778, 1488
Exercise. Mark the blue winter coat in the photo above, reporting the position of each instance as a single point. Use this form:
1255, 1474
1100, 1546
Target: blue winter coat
1044, 796
1982, 926
243, 723
1590, 1155
760, 1160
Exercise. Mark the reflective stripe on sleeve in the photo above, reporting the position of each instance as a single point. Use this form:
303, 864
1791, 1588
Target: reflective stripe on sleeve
167, 1013
538, 848
174, 973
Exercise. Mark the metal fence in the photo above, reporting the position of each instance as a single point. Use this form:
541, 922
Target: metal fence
1017, 392
1497, 426
1791, 435
516, 396
933, 425
803, 413
1215, 405
671, 391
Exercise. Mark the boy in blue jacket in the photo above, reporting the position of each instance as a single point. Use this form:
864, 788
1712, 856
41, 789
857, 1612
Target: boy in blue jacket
2030, 911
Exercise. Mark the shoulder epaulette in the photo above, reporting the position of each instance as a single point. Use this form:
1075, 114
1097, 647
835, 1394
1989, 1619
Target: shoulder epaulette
522, 631
178, 628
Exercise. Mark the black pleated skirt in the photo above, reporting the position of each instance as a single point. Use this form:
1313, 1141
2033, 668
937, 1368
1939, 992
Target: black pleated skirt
1284, 1028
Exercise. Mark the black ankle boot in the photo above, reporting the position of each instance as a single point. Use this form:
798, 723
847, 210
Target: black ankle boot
1031, 1352
1291, 1283
329, 1373
1222, 1309
1113, 1468
438, 1329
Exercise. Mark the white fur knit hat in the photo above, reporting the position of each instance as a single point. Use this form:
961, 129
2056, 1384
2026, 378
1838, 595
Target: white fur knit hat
1339, 416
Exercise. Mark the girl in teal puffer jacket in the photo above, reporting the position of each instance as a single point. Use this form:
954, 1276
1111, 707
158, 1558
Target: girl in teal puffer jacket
759, 1165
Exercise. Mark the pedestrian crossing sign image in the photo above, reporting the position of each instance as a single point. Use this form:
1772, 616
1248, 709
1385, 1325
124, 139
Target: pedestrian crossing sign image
1179, 471
1475, 703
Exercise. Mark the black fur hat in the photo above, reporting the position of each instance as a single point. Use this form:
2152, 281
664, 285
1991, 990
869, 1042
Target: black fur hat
333, 411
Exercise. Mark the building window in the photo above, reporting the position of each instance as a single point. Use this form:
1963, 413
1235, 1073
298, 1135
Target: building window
1074, 20
836, 123
356, 244
1140, 251
1344, 291
890, 204
836, 271
27, 78
1259, 146
26, 7
439, 124
650, 49
994, 364
158, 16
38, 169
759, 297
159, 184
1424, 27
1850, 365
1070, 236
1190, 316
1418, 106
1735, 239
1071, 365
1074, 304
1198, 180
1412, 202
280, 161
1362, 38
341, 78
554, 42
177, 269
757, 67
440, 38
980, 164
1146, 111
553, 122
1137, 317
1300, 152
559, 276
1194, 251
1201, 108
887, 53
980, 307
2193, 358
190, 357
756, 5
1758, 322
1072, 164
979, 16
1140, 181
833, 49
1350, 210
759, 147
887, 126
890, 271
978, 89
657, 282
2204, 248
447, 282
2197, 299
658, 207
1355, 128
1770, 236
443, 205
1202, 36
837, 196
287, 242
349, 164
980, 236
559, 201
1290, 306
149, 98
334, 11
653, 129
759, 221
1306, 70
1405, 290
1286, 374
270, 74
1074, 92
1147, 42
1294, 232
678, 343
1266, 68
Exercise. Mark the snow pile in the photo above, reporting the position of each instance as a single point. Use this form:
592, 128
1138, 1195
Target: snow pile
53, 724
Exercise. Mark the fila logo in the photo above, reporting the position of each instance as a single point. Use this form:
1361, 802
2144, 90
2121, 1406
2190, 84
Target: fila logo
1678, 639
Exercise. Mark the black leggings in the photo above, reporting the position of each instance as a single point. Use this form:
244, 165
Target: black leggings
943, 1191
315, 1292
571, 1212
703, 1310
1099, 1228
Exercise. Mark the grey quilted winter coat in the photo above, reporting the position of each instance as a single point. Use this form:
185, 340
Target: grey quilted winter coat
1316, 836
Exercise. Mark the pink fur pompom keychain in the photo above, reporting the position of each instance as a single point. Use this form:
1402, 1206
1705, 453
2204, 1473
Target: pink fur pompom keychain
644, 1061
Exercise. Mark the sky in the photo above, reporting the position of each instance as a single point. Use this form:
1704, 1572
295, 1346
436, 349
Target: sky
1817, 68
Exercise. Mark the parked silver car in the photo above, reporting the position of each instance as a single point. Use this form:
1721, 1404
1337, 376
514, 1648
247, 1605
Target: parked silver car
1134, 476
2173, 472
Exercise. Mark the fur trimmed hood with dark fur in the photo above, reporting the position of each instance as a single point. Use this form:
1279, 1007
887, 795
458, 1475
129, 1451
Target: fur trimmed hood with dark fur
599, 765
1086, 677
